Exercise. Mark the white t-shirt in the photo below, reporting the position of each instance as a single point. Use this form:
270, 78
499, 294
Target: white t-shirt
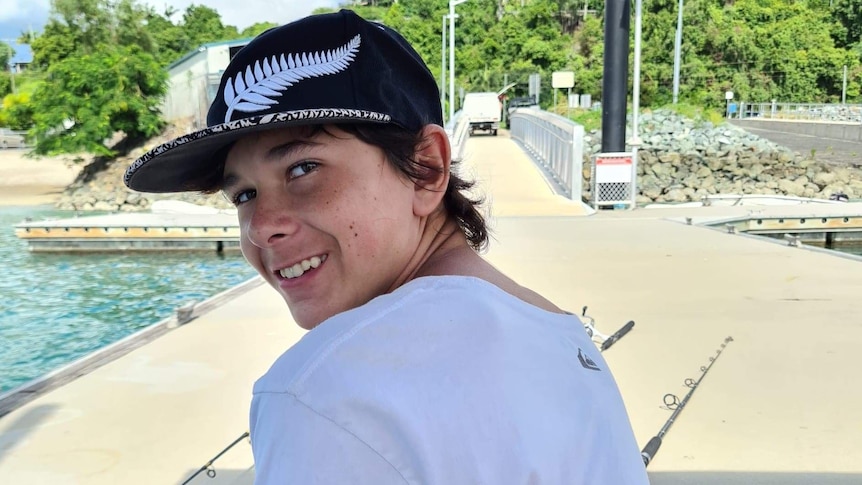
448, 380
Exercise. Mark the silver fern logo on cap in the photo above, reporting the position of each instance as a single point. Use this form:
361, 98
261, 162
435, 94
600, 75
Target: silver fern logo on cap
256, 88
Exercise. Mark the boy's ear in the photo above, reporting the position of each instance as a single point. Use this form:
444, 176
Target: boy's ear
434, 153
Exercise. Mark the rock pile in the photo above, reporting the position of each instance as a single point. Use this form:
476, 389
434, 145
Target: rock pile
680, 160
683, 160
102, 188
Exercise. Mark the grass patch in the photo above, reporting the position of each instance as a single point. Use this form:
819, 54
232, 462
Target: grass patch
589, 119
592, 120
696, 113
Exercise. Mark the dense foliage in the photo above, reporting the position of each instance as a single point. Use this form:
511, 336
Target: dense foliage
99, 69
99, 64
6, 53
788, 50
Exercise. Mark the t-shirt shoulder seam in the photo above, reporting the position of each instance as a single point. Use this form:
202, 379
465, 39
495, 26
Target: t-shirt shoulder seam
350, 433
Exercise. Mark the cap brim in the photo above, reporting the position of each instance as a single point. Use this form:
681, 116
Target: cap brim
185, 164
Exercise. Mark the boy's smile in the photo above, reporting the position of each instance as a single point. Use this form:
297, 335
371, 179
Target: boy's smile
299, 269
324, 218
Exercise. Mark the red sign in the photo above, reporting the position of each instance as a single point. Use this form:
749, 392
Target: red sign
614, 161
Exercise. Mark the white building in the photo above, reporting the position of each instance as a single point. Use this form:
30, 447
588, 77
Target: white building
193, 81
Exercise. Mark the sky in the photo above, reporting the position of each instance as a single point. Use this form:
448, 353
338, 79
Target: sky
17, 16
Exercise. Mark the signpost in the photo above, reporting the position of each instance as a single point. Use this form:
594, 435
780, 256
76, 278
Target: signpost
728, 96
564, 80
613, 180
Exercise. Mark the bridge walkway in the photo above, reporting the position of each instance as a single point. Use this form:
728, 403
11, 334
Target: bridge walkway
781, 405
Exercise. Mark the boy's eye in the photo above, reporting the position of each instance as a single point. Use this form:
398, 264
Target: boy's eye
301, 168
244, 196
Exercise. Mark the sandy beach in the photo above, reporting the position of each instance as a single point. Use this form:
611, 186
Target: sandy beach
33, 181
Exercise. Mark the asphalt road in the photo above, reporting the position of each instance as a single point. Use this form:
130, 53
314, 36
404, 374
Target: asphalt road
832, 150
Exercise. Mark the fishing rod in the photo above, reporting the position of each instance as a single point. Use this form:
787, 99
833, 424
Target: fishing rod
672, 402
606, 341
208, 467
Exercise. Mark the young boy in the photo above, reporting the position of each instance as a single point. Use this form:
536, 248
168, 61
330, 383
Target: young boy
423, 363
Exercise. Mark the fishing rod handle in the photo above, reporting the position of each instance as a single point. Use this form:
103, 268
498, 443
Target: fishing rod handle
651, 449
618, 335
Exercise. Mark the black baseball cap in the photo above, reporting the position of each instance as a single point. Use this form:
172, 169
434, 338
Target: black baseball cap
322, 69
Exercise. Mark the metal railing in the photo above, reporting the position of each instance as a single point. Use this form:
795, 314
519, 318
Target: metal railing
846, 113
556, 143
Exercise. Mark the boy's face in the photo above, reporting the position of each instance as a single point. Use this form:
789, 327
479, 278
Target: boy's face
326, 220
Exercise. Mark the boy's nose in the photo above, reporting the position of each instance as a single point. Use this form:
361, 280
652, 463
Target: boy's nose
270, 222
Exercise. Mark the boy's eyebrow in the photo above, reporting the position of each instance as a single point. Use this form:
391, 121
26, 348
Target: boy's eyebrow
287, 149
273, 154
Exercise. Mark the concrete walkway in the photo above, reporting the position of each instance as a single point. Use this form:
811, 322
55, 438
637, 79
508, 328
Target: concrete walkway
782, 404
158, 413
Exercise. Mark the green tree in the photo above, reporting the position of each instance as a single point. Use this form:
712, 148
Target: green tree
56, 43
848, 14
527, 39
256, 29
204, 25
199, 25
171, 41
760, 49
87, 99
17, 112
129, 26
102, 77
776, 49
5, 84
78, 27
588, 60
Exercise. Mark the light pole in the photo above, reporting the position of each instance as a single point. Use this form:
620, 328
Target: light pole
635, 142
452, 16
677, 46
12, 78
11, 65
443, 67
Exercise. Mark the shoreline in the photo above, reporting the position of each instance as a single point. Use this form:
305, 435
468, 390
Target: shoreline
33, 181
29, 195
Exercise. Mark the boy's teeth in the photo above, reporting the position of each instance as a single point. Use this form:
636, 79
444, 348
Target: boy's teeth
301, 267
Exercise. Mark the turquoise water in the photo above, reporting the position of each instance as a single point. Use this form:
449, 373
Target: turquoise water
56, 308
848, 247
855, 248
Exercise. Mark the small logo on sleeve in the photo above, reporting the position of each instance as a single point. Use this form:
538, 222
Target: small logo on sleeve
586, 361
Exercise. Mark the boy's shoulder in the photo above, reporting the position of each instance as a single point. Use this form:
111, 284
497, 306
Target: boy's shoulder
427, 310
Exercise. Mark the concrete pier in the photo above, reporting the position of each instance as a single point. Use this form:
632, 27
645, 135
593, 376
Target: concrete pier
133, 232
781, 405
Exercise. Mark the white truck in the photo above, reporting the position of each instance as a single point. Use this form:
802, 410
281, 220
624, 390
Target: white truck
483, 111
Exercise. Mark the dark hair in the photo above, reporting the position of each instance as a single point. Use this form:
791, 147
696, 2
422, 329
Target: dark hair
399, 146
